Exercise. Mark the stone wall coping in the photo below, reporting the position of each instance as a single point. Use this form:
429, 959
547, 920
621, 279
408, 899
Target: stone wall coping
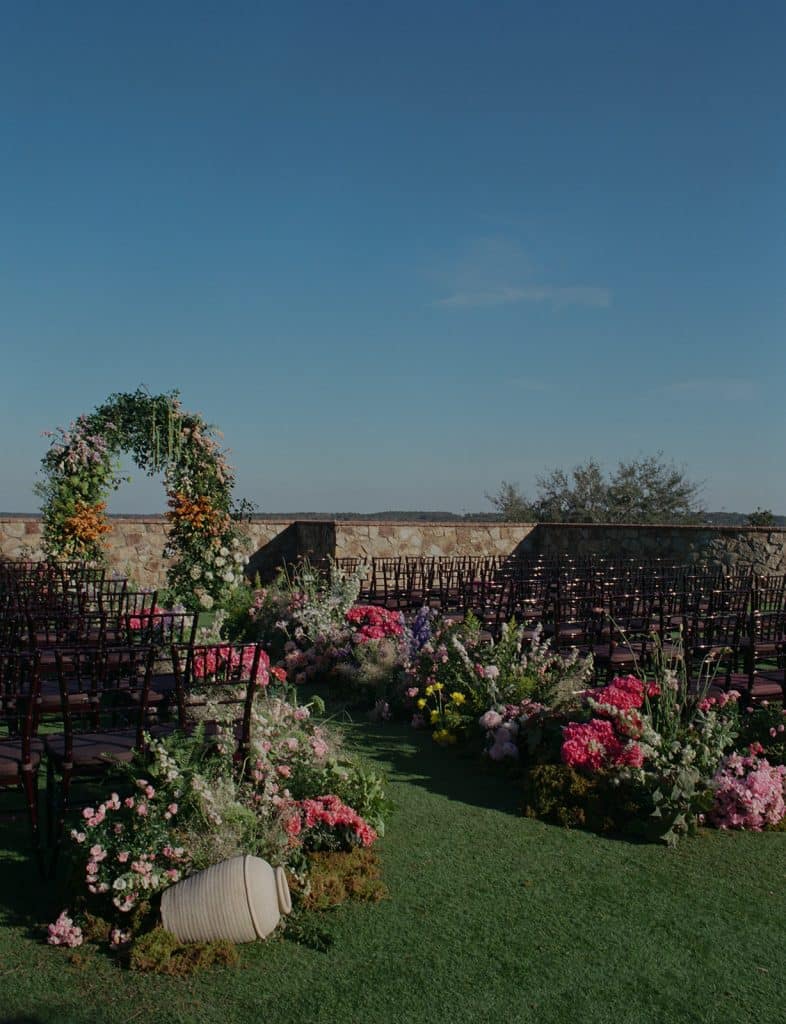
465, 524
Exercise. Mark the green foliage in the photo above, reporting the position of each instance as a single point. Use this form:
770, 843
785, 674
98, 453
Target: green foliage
600, 803
349, 778
761, 517
643, 490
160, 952
765, 725
237, 623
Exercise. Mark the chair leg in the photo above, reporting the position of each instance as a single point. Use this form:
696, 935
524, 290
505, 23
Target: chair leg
30, 787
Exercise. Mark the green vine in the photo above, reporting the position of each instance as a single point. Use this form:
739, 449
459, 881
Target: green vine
81, 469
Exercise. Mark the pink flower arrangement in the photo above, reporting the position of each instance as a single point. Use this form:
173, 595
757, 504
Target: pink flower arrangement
214, 660
626, 693
503, 726
748, 792
149, 619
594, 746
330, 813
731, 696
372, 623
63, 932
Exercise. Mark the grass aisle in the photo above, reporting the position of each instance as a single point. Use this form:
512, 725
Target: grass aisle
492, 918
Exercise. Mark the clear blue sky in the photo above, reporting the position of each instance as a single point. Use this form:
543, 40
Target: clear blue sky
400, 251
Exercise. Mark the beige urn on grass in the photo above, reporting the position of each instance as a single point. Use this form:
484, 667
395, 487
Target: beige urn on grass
240, 899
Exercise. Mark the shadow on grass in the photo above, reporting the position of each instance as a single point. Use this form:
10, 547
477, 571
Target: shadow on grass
28, 899
462, 775
407, 755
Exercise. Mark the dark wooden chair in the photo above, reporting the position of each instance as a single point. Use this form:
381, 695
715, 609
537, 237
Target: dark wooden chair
20, 750
216, 685
105, 727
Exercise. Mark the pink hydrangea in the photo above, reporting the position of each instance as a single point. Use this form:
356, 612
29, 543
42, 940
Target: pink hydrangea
594, 746
748, 793
626, 693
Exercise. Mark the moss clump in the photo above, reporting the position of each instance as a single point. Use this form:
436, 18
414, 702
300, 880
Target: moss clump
160, 952
94, 928
558, 793
334, 878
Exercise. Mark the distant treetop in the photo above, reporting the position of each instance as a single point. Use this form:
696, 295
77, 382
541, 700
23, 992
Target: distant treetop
643, 490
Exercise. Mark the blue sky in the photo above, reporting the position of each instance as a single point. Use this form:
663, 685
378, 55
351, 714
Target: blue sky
399, 252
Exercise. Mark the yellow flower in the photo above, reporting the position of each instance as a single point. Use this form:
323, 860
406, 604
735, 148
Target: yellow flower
438, 687
434, 717
457, 698
429, 690
444, 736
422, 702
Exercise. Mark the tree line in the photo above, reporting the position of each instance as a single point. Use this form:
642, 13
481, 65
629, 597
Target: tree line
648, 489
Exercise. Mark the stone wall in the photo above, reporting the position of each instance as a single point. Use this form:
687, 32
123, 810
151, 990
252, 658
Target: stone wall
365, 539
136, 542
135, 545
762, 549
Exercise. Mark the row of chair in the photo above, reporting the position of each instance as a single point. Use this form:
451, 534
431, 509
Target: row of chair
81, 688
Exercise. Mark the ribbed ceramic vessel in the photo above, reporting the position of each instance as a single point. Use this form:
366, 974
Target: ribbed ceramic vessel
240, 899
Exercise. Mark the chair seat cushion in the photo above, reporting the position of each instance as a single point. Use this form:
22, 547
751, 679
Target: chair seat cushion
50, 696
11, 760
94, 750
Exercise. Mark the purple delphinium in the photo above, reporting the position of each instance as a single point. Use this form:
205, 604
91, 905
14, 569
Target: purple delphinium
420, 631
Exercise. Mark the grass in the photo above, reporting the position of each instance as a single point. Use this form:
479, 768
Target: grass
492, 917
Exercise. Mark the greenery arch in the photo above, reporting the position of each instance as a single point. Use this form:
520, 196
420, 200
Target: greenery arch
81, 468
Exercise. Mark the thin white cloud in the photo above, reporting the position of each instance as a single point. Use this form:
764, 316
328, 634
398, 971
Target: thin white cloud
558, 297
728, 389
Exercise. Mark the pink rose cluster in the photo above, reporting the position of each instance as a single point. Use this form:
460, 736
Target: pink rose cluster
329, 812
63, 932
226, 658
748, 792
372, 623
594, 746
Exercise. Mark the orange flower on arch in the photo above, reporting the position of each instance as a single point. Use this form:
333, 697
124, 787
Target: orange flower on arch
87, 524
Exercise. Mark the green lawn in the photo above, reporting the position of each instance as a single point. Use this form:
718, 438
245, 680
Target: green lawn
492, 917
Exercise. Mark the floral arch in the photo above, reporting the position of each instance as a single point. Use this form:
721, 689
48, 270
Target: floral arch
81, 468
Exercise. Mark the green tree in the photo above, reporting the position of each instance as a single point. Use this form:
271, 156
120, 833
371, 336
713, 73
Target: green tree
761, 517
643, 490
511, 504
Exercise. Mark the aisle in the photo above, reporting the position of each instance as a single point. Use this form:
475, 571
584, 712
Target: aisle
492, 918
